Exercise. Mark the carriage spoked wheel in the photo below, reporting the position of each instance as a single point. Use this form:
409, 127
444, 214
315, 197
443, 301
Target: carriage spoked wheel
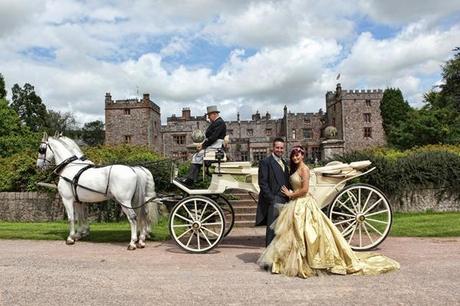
197, 224
363, 214
229, 213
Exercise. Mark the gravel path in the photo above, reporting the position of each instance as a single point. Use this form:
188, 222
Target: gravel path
51, 273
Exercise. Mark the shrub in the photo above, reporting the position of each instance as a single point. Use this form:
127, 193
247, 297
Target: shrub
435, 166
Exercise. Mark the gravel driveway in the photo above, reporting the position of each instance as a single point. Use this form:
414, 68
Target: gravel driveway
51, 273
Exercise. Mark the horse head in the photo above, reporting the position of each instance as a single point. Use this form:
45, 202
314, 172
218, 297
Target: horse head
45, 153
51, 150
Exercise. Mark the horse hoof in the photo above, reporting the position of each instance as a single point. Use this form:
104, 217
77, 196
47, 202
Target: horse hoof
131, 247
141, 245
70, 241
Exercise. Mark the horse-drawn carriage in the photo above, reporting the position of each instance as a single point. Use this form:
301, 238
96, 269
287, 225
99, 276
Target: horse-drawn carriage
204, 217
201, 219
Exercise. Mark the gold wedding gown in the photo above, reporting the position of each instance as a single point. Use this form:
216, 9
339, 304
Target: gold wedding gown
308, 244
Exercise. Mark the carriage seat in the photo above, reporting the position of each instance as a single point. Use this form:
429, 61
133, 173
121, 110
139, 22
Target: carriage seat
339, 168
210, 155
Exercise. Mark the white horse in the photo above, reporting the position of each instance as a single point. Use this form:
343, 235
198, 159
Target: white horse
118, 182
148, 214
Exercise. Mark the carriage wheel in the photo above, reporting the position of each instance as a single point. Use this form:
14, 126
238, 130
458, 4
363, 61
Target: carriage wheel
197, 224
363, 215
229, 213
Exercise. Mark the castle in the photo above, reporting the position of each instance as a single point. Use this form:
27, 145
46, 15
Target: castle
355, 114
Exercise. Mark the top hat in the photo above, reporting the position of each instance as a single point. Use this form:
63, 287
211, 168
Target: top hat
212, 109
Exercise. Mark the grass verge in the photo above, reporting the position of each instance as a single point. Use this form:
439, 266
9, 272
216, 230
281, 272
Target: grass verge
429, 224
100, 232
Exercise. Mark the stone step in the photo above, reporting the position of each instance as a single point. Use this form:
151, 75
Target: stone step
240, 209
243, 203
245, 217
245, 223
241, 196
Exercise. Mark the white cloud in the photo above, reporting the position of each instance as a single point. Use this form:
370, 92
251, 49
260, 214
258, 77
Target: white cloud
398, 12
281, 52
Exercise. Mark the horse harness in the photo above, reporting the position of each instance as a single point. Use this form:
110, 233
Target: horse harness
74, 181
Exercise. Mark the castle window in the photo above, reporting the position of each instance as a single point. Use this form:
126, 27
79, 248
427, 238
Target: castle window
307, 133
127, 111
293, 133
367, 117
368, 102
259, 154
250, 132
333, 121
127, 138
230, 132
308, 121
334, 107
244, 156
315, 154
179, 139
367, 132
268, 132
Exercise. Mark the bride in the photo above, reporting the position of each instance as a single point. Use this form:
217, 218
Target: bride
306, 241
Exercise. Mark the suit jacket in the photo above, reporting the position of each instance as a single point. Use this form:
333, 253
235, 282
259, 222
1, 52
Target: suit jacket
216, 130
271, 179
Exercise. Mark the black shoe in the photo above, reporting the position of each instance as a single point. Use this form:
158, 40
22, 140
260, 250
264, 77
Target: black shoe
186, 181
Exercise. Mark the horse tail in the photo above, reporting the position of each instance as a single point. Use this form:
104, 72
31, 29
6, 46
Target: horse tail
151, 209
139, 194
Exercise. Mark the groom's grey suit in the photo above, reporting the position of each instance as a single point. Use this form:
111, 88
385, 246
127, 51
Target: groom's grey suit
271, 179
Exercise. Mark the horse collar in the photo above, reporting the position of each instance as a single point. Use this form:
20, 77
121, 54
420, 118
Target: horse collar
62, 165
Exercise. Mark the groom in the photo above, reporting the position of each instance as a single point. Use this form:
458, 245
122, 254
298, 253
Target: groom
273, 174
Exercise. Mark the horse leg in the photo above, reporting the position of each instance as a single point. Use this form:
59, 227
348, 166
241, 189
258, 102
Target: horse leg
81, 216
129, 212
142, 225
68, 204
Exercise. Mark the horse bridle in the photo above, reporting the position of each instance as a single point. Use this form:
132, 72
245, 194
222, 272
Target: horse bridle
42, 151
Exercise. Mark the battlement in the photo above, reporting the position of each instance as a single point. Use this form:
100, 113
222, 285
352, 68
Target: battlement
131, 103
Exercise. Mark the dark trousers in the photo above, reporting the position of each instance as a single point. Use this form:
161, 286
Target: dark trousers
273, 213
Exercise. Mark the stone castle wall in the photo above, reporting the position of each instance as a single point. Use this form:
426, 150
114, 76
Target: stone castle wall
43, 207
133, 121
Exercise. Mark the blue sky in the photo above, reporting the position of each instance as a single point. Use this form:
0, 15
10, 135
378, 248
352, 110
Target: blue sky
244, 56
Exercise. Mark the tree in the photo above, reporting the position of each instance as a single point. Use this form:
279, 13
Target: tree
394, 111
10, 123
28, 105
60, 122
450, 90
14, 137
93, 133
2, 87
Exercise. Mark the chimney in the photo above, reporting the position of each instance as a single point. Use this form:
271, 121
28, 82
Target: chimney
338, 90
108, 98
186, 113
256, 116
146, 98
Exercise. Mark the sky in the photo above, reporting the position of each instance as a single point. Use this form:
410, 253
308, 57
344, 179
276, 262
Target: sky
243, 56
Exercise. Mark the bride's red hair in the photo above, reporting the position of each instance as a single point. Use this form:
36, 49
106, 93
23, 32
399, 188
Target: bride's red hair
294, 151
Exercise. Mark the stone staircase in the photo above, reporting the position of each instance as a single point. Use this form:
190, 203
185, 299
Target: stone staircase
245, 209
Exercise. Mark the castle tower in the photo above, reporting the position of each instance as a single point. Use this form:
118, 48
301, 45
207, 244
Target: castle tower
133, 121
356, 115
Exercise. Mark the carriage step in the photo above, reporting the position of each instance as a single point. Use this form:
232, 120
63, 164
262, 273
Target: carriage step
245, 217
245, 223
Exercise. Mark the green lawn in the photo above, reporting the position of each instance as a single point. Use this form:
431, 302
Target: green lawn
428, 224
100, 232
404, 225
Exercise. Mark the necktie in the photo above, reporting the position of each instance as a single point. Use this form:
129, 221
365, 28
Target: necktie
281, 163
